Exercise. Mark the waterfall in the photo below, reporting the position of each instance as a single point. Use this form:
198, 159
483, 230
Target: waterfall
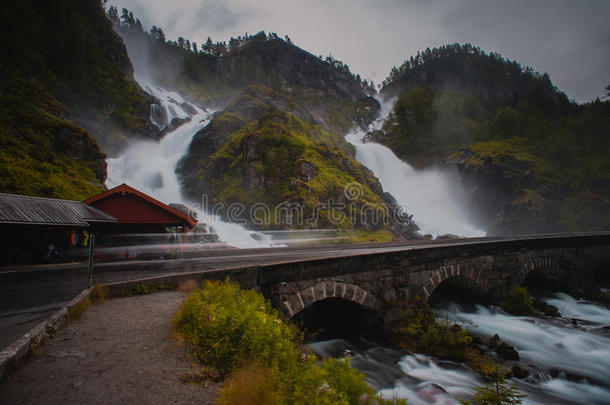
150, 166
434, 198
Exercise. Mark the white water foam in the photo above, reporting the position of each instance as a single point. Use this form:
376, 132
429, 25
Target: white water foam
578, 357
431, 196
571, 362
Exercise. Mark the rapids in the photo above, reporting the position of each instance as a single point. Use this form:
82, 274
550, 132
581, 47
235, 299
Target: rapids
569, 357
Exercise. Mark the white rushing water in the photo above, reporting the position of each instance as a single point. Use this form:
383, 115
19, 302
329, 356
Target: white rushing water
569, 357
576, 353
434, 198
150, 166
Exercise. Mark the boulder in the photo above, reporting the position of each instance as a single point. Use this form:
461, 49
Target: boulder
547, 309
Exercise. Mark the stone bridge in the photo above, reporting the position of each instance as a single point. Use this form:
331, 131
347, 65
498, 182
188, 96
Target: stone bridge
381, 281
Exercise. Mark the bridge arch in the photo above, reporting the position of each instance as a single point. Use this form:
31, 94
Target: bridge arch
329, 289
543, 273
446, 272
539, 262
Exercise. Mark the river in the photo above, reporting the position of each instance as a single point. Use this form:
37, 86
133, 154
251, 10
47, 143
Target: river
568, 356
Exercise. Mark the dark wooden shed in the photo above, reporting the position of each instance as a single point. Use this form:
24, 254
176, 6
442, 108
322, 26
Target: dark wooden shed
30, 226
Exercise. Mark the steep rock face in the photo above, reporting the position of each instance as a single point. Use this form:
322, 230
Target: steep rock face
266, 154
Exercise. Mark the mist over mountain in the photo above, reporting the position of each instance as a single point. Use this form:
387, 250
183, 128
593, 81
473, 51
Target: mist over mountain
531, 159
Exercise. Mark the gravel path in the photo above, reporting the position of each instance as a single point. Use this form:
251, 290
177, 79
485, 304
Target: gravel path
119, 352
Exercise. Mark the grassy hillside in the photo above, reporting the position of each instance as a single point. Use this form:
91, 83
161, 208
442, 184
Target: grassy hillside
65, 79
261, 151
41, 153
70, 49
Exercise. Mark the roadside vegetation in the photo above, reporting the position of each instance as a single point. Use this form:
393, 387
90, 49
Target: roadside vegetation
237, 335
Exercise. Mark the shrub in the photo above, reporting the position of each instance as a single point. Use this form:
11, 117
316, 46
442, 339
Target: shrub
250, 384
227, 324
517, 302
238, 333
419, 330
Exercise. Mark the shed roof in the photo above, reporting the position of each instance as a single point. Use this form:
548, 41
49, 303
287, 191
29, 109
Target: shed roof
22, 209
125, 189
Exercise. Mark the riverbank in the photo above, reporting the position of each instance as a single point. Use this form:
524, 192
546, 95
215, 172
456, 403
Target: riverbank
119, 351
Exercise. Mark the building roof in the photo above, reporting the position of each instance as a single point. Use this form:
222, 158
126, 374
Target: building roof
134, 217
22, 209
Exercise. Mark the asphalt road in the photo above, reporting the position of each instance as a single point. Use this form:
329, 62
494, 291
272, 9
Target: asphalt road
29, 294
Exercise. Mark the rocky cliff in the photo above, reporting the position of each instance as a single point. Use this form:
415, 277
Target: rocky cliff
533, 161
333, 96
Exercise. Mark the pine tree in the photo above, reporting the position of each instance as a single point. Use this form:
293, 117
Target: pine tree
208, 46
496, 391
125, 18
233, 44
113, 15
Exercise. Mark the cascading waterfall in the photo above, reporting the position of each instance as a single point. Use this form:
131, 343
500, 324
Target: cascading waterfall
150, 166
568, 356
434, 198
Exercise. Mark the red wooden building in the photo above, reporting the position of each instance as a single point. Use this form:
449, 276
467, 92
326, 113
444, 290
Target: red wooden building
137, 212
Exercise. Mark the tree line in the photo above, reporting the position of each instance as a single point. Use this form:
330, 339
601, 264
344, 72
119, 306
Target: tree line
125, 20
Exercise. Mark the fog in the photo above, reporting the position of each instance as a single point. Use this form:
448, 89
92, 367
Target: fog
567, 39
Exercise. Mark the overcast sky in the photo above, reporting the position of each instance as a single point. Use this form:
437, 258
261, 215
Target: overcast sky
569, 39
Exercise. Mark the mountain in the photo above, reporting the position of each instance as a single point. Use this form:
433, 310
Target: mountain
67, 87
332, 95
531, 160
264, 153
277, 138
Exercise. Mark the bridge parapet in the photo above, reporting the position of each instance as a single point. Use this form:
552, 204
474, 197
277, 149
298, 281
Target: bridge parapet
382, 282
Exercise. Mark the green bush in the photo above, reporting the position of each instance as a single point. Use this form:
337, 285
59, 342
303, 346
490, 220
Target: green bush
419, 330
238, 333
517, 302
227, 325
